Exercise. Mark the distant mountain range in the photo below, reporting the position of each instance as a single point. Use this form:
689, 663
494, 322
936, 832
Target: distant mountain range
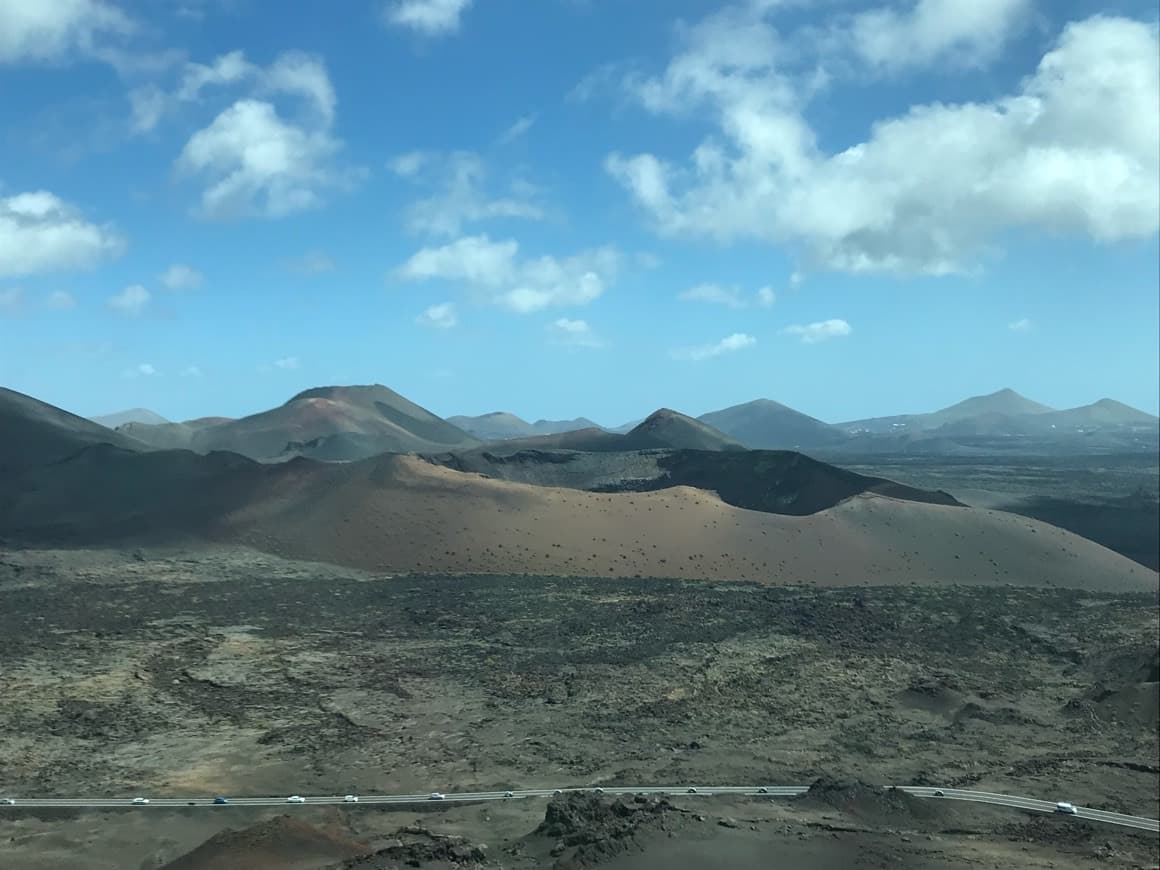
340, 423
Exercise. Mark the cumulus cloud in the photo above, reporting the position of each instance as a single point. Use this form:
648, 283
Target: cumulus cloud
442, 316
131, 302
812, 333
461, 177
521, 285
427, 17
573, 333
730, 344
40, 232
181, 276
50, 30
1072, 150
141, 370
1021, 325
950, 31
60, 300
259, 164
260, 156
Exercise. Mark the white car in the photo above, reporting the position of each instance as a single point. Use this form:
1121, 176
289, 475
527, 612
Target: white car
598, 790
1065, 807
558, 791
8, 802
437, 796
295, 799
140, 801
350, 798
508, 794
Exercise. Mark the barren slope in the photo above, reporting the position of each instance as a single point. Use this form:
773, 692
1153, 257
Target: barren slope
35, 433
400, 513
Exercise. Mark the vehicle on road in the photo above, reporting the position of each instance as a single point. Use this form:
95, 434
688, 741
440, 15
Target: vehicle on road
558, 791
8, 802
1065, 807
691, 790
139, 801
221, 800
437, 796
508, 794
598, 790
938, 792
763, 790
295, 799
350, 798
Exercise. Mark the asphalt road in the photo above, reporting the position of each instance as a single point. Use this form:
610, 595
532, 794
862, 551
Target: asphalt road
772, 791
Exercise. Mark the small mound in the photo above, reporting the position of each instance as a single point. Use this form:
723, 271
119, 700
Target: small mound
669, 429
281, 843
586, 829
934, 694
874, 804
415, 846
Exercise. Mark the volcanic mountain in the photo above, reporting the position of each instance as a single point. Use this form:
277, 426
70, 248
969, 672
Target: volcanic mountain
501, 425
767, 425
331, 423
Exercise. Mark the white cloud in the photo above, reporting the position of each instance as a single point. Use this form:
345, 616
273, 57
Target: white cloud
1021, 325
812, 333
191, 372
523, 286
1072, 150
61, 300
715, 294
428, 17
410, 164
312, 263
180, 276
573, 333
131, 301
47, 30
442, 316
142, 370
461, 176
730, 344
11, 299
258, 164
950, 31
39, 232
730, 297
517, 130
287, 363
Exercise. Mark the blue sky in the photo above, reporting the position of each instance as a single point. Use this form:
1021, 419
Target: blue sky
579, 207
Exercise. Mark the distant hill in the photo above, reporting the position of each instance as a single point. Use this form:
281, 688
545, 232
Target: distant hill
662, 429
674, 430
501, 425
1105, 412
331, 423
34, 433
998, 406
767, 425
133, 415
625, 428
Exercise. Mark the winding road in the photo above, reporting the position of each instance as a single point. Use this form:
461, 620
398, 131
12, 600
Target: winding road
771, 791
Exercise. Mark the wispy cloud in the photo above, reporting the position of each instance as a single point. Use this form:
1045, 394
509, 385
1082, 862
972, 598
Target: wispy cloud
442, 316
141, 370
426, 17
60, 300
1021, 325
181, 276
730, 297
573, 333
131, 302
730, 344
517, 130
311, 263
812, 333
